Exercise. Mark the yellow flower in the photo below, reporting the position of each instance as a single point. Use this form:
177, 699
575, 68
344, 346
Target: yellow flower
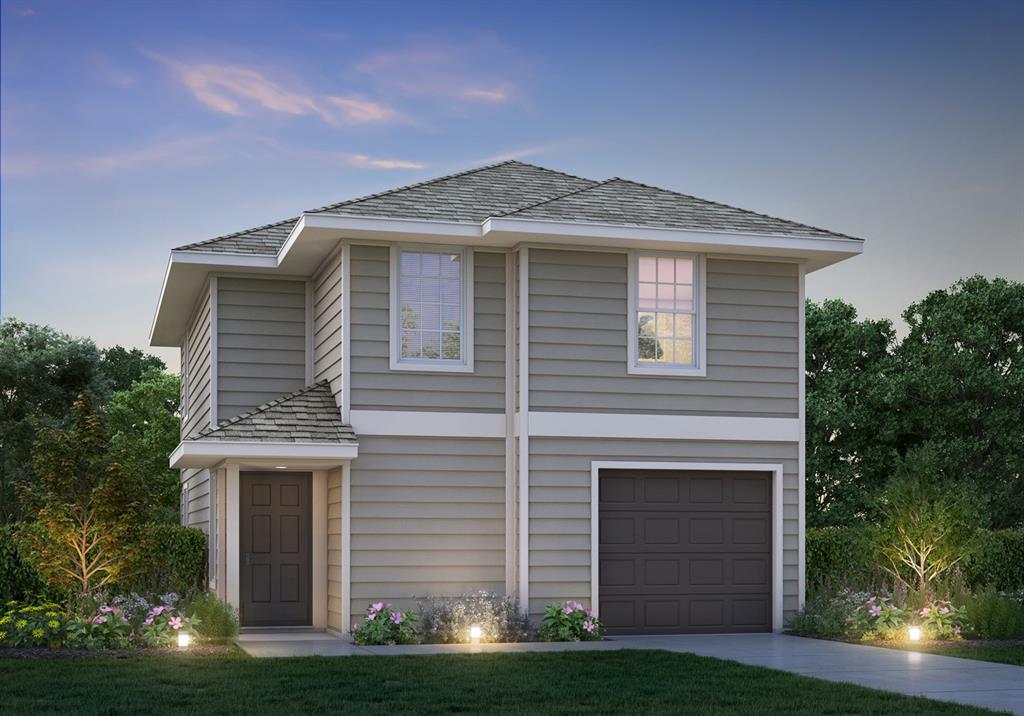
5, 620
3, 635
21, 624
53, 624
51, 614
37, 633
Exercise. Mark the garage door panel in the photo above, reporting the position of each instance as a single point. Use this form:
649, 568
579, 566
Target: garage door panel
691, 553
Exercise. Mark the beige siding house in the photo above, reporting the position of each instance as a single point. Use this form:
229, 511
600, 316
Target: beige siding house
508, 379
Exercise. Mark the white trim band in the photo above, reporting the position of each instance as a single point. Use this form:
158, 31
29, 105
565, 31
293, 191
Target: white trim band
663, 427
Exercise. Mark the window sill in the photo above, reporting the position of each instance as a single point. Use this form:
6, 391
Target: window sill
432, 368
699, 372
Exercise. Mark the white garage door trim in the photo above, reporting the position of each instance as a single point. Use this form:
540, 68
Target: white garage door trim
777, 489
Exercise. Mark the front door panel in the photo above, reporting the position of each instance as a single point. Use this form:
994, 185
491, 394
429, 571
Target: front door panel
276, 543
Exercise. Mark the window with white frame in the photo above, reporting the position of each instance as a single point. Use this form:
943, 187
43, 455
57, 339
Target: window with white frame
430, 297
665, 321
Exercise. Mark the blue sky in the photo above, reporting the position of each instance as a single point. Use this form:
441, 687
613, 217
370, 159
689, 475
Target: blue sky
131, 128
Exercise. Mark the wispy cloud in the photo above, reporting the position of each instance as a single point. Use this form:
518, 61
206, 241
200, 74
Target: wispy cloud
352, 159
21, 11
106, 71
473, 72
179, 153
237, 90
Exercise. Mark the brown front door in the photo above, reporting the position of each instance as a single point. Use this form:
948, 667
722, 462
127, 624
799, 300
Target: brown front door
685, 552
276, 543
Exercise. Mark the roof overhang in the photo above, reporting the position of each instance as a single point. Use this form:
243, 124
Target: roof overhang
207, 453
315, 235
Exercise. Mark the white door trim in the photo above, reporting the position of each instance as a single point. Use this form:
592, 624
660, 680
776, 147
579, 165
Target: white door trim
318, 488
777, 490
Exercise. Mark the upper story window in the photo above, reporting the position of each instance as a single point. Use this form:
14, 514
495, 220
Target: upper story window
431, 320
666, 322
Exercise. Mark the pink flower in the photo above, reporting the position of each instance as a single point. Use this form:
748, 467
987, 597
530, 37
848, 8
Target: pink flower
577, 606
397, 617
175, 622
590, 612
106, 610
377, 606
567, 610
149, 620
99, 620
944, 610
871, 601
588, 625
925, 612
371, 616
875, 610
956, 630
355, 627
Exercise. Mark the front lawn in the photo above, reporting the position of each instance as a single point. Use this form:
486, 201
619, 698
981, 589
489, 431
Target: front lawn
576, 683
1010, 652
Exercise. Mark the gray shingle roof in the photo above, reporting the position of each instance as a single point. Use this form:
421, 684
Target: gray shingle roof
519, 190
307, 415
620, 201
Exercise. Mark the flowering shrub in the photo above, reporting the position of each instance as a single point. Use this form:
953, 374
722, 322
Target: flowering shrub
108, 629
866, 616
569, 622
384, 625
448, 620
32, 625
161, 626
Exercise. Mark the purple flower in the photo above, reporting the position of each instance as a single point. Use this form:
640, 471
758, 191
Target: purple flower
567, 610
875, 610
175, 622
577, 606
588, 625
590, 612
956, 630
371, 616
99, 620
377, 606
397, 617
149, 620
871, 600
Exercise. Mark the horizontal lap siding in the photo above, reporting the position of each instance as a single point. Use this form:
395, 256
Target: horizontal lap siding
578, 340
428, 518
327, 297
196, 493
560, 505
198, 370
334, 593
375, 386
261, 342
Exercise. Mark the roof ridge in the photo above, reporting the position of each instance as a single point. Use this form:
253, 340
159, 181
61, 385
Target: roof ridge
425, 182
236, 233
734, 208
263, 408
593, 185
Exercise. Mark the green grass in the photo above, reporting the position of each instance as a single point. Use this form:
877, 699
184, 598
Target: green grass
1006, 653
563, 683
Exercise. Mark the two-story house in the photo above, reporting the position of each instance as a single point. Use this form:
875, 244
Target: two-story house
509, 379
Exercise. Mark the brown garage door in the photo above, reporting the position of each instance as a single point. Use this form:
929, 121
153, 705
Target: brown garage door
685, 552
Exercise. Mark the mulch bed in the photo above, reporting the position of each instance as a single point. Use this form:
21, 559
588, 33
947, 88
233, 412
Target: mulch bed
45, 653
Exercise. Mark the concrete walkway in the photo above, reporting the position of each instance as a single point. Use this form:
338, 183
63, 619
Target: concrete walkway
978, 683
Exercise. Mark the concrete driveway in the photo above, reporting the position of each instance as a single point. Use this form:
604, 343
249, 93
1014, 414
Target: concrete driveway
978, 683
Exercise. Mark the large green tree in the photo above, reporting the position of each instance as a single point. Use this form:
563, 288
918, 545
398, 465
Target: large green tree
121, 367
143, 421
851, 429
42, 371
953, 385
962, 388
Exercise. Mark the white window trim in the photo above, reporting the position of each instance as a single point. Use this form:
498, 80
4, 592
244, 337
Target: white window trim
394, 327
184, 407
633, 366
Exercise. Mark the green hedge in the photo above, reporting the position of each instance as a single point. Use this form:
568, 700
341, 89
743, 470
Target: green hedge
174, 560
841, 556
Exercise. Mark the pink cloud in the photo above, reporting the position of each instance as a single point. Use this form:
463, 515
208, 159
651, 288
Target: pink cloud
236, 90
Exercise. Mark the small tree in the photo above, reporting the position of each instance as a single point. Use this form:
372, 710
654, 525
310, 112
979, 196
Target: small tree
79, 538
926, 525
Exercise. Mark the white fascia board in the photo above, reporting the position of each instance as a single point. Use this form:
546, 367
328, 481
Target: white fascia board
382, 225
663, 427
706, 239
428, 424
204, 453
215, 259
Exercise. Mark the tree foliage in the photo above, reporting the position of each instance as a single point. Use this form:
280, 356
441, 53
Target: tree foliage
42, 371
953, 385
80, 537
122, 367
144, 426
